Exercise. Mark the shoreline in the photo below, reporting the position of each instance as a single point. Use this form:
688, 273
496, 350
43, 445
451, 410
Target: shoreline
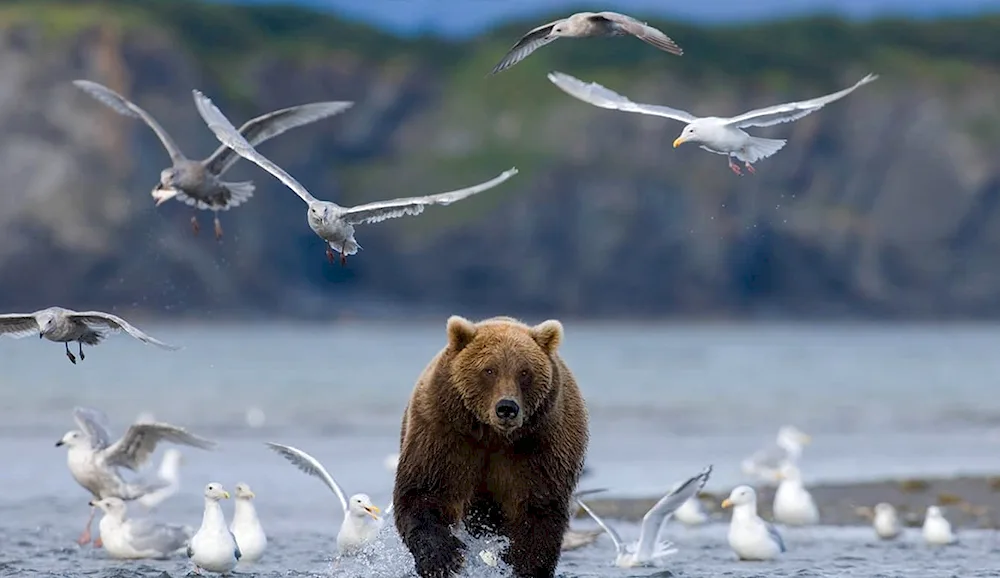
968, 501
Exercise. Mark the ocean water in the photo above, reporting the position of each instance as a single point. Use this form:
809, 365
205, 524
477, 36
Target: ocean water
665, 400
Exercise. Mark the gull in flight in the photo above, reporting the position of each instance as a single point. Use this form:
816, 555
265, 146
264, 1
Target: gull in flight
361, 521
585, 25
94, 461
198, 182
135, 538
766, 463
65, 326
333, 223
647, 551
724, 136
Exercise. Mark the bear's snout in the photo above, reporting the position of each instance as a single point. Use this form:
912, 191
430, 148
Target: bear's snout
507, 410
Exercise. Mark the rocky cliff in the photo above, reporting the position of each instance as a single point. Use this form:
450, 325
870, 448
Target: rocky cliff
886, 203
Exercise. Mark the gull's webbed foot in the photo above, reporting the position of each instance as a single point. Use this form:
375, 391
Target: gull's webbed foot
329, 254
218, 229
84, 538
98, 542
72, 359
750, 168
195, 227
82, 357
734, 167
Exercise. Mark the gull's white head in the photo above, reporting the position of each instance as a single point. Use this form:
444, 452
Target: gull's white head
73, 438
243, 492
934, 512
46, 322
740, 496
789, 472
216, 492
691, 133
560, 28
360, 505
319, 212
114, 507
884, 508
790, 437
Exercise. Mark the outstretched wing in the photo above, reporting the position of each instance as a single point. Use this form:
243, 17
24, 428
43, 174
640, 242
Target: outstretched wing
641, 30
791, 111
667, 505
93, 423
229, 136
597, 95
125, 107
382, 210
311, 466
115, 323
530, 42
18, 325
270, 125
619, 544
139, 442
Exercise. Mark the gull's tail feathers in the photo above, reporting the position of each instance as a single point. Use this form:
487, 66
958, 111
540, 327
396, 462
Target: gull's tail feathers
239, 193
760, 148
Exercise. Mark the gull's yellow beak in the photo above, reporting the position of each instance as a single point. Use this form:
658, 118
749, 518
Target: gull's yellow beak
226, 495
373, 511
726, 503
251, 495
779, 476
678, 141
806, 438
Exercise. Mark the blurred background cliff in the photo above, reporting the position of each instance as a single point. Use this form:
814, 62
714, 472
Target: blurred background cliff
885, 204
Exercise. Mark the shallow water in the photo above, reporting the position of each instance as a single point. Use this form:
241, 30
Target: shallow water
664, 401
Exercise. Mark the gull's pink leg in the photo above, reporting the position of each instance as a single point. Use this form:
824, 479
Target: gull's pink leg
343, 260
750, 168
218, 228
84, 538
98, 542
195, 227
735, 167
329, 254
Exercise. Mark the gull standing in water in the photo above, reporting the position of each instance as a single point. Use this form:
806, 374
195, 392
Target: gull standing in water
886, 522
750, 536
720, 135
361, 521
793, 504
937, 528
246, 526
213, 547
647, 551
586, 25
66, 326
198, 182
765, 464
333, 223
169, 473
94, 461
135, 538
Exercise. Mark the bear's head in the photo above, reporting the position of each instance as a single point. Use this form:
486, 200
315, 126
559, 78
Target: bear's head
503, 370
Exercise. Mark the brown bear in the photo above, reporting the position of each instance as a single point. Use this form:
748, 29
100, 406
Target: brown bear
494, 435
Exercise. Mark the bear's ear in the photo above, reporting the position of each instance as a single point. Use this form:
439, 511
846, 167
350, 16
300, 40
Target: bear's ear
460, 332
548, 335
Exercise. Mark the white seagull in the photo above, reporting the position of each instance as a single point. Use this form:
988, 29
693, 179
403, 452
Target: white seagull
793, 504
647, 551
765, 464
213, 547
937, 528
586, 25
66, 326
691, 513
94, 461
135, 538
168, 473
198, 183
246, 525
886, 522
331, 222
720, 135
750, 537
361, 521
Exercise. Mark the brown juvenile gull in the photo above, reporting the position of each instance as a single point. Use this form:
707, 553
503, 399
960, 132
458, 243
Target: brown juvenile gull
333, 223
584, 25
197, 182
94, 460
65, 326
715, 134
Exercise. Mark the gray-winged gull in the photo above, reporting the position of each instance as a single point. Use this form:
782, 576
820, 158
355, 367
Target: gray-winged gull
333, 223
94, 461
720, 135
793, 504
765, 464
750, 537
886, 522
647, 551
213, 547
66, 326
937, 528
134, 538
586, 25
246, 525
198, 183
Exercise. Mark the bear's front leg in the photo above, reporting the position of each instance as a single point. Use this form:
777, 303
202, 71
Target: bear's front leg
536, 539
422, 524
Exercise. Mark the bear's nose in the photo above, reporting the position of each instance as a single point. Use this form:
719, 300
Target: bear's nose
507, 409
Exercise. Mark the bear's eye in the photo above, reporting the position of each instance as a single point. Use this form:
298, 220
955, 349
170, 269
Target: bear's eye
489, 372
524, 377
